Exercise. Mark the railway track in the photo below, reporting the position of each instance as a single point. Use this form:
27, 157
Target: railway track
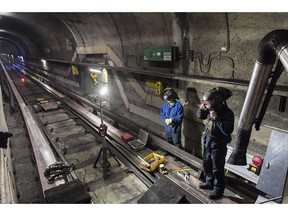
76, 141
73, 133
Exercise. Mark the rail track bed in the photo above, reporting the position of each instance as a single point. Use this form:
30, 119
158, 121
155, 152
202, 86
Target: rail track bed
72, 130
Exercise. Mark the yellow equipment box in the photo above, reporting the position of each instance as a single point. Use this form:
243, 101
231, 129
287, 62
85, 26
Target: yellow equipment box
151, 162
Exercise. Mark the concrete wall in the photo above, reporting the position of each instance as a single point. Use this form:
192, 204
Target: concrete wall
122, 37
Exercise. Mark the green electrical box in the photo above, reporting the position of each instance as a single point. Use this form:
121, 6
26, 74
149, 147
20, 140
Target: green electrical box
169, 54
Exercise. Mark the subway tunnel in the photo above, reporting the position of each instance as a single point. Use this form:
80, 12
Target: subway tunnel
145, 52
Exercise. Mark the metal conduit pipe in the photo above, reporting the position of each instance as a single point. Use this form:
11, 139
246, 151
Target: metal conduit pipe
274, 43
228, 83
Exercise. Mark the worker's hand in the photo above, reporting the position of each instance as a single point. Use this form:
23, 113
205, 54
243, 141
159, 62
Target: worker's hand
202, 106
168, 121
213, 114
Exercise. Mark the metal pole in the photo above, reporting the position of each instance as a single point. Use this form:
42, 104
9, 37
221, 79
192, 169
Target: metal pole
101, 111
104, 145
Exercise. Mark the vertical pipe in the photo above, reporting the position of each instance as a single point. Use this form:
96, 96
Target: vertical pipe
275, 42
283, 56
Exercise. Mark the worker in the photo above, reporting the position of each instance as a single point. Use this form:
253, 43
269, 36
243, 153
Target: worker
4, 139
172, 113
218, 130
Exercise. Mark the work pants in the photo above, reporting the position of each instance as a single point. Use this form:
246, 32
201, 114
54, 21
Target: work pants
214, 161
174, 137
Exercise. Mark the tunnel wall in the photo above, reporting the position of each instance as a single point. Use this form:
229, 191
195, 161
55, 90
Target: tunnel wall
123, 37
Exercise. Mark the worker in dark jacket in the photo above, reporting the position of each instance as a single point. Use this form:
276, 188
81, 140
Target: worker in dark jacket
172, 113
219, 126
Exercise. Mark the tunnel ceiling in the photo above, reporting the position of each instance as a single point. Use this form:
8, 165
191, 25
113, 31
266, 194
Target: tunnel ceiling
49, 34
27, 33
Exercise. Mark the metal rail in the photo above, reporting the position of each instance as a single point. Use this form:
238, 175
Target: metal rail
133, 127
92, 121
113, 133
41, 147
116, 145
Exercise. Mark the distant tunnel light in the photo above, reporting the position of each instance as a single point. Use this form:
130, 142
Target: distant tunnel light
22, 79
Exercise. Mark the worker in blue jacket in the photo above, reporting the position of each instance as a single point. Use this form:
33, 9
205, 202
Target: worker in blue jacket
219, 127
172, 113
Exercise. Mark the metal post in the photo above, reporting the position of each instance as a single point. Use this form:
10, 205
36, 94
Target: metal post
101, 111
104, 145
103, 150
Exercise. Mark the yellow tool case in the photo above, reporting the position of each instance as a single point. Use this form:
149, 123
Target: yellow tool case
151, 162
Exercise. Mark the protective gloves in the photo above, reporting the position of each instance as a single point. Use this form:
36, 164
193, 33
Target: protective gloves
168, 121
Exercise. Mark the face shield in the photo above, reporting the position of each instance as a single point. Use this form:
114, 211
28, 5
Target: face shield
170, 94
207, 104
213, 99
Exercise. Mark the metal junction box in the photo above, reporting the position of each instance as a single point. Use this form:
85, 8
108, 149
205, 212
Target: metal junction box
169, 54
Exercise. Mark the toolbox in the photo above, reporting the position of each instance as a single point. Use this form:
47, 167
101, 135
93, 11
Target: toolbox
152, 160
126, 137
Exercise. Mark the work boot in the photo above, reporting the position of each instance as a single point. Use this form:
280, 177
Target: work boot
215, 194
205, 186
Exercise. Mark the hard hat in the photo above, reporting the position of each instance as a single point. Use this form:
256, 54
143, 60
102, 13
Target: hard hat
207, 96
